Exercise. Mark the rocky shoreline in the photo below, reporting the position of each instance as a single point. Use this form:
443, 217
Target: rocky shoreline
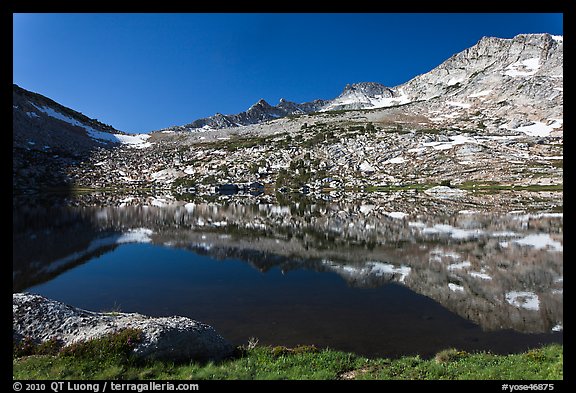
171, 338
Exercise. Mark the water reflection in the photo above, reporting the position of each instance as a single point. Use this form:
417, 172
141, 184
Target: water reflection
501, 271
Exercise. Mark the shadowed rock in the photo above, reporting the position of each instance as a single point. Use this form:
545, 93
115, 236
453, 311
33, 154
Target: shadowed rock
168, 338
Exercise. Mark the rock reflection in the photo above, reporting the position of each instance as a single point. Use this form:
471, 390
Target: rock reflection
499, 270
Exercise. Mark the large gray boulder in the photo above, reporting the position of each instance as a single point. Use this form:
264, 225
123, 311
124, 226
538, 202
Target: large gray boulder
167, 338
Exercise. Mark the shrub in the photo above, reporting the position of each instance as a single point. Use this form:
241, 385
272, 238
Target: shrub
449, 355
121, 343
27, 347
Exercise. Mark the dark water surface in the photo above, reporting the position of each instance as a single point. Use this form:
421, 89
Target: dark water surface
387, 285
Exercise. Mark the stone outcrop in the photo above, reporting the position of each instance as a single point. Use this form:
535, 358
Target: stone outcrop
260, 112
168, 338
360, 96
495, 81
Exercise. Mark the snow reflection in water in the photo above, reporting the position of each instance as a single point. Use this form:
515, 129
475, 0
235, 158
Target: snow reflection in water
501, 272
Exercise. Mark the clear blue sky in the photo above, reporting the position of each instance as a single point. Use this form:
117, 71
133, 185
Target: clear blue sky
143, 72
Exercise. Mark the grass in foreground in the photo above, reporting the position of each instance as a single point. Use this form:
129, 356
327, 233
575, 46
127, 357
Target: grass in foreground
110, 358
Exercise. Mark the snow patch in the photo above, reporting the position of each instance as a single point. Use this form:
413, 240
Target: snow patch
517, 215
537, 129
455, 81
458, 104
280, 210
396, 160
366, 167
458, 266
417, 224
556, 123
527, 300
454, 141
137, 235
380, 269
438, 252
158, 202
455, 288
455, 233
136, 140
365, 209
523, 67
399, 215
370, 268
503, 234
369, 102
382, 102
205, 246
540, 241
480, 275
482, 93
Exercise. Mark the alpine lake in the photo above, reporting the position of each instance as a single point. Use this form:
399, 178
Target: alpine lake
380, 274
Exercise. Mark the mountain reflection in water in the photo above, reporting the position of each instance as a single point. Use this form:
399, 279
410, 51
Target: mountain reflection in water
474, 279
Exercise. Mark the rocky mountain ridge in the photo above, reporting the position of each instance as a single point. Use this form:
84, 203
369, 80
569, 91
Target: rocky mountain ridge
40, 123
509, 72
491, 115
260, 112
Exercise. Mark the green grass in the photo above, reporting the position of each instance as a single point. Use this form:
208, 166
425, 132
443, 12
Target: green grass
110, 358
494, 187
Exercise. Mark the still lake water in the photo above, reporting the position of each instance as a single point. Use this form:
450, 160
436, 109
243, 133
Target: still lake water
375, 279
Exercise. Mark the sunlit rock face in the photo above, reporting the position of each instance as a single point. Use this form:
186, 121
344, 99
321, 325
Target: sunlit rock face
497, 75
